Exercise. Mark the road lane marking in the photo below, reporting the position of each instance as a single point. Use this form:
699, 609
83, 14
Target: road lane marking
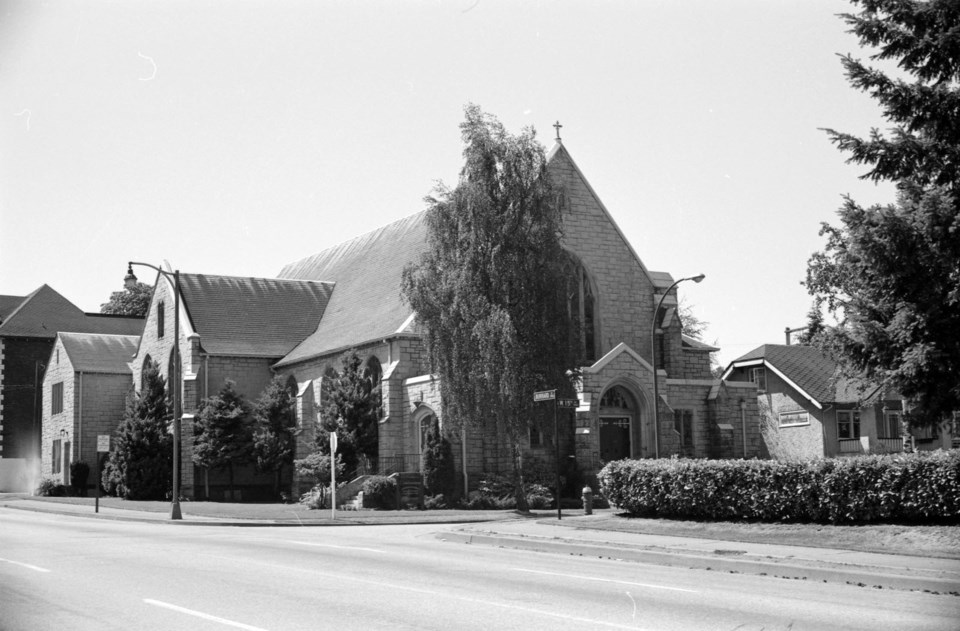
591, 622
200, 614
26, 565
330, 545
605, 580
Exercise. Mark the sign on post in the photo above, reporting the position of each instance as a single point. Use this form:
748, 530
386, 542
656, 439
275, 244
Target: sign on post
333, 475
103, 443
544, 395
568, 403
103, 446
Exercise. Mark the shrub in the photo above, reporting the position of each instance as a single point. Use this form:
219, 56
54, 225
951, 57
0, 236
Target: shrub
79, 474
381, 491
435, 502
902, 487
315, 498
50, 487
495, 492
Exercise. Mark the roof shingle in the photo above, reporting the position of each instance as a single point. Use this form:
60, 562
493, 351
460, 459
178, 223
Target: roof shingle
107, 354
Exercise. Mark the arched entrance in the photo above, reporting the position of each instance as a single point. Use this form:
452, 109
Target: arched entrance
619, 424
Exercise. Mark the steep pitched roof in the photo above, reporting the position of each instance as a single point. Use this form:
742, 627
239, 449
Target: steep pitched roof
8, 304
108, 354
815, 374
45, 312
260, 317
366, 303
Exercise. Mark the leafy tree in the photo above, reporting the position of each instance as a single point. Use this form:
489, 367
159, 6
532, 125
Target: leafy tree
438, 469
491, 290
691, 324
131, 302
351, 405
223, 431
815, 325
274, 423
890, 273
140, 467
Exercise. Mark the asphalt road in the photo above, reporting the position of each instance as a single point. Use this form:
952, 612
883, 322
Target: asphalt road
61, 572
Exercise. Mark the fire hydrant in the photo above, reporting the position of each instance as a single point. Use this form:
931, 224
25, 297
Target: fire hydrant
587, 495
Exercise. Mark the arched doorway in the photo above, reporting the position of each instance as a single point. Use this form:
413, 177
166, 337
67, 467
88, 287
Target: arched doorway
619, 424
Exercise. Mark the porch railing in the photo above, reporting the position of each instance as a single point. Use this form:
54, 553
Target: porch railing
889, 445
852, 446
400, 463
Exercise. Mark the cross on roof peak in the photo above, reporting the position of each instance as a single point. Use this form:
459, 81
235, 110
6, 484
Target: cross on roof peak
557, 126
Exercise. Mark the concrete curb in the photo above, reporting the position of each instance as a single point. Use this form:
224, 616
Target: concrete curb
863, 576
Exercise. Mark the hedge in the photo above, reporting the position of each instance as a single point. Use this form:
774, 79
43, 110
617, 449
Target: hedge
891, 488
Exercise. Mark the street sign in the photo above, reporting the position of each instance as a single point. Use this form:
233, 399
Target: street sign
544, 395
568, 403
333, 442
103, 443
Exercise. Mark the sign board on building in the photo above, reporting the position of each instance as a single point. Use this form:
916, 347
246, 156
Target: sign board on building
103, 443
568, 403
544, 395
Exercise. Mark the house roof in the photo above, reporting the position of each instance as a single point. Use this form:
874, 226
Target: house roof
813, 373
8, 304
366, 303
45, 312
109, 354
260, 317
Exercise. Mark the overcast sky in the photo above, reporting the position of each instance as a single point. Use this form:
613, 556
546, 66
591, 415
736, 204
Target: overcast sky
234, 137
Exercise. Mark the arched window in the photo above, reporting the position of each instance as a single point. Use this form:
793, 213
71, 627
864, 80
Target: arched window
583, 307
160, 314
374, 373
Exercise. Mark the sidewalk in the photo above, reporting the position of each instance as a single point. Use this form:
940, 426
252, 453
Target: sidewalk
575, 534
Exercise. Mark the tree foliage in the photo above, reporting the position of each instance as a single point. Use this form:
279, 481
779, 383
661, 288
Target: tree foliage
891, 274
491, 290
274, 422
140, 467
223, 431
439, 475
351, 404
129, 302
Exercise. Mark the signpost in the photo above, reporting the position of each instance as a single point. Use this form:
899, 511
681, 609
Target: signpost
103, 446
333, 474
551, 395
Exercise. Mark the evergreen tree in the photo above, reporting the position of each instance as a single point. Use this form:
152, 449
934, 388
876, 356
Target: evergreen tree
491, 291
439, 475
131, 302
815, 325
274, 423
351, 405
889, 273
223, 431
140, 467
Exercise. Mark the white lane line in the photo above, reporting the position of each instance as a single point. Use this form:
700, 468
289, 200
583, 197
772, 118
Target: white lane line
200, 614
605, 580
330, 545
26, 565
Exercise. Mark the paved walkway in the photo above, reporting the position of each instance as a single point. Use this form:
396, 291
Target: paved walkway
576, 537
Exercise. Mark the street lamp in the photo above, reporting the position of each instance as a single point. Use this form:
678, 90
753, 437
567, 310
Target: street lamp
653, 354
130, 282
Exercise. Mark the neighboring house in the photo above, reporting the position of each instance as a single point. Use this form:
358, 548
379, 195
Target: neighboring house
28, 328
230, 328
85, 389
809, 410
354, 292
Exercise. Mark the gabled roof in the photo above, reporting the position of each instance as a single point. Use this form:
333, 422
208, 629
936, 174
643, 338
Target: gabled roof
108, 354
45, 312
691, 343
8, 304
366, 304
259, 317
811, 372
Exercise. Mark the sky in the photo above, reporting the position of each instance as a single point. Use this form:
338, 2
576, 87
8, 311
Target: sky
234, 137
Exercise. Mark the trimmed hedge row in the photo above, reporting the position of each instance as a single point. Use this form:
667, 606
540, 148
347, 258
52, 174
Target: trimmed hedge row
893, 488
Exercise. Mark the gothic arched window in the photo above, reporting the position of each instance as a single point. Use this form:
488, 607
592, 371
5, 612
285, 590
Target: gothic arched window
583, 307
374, 373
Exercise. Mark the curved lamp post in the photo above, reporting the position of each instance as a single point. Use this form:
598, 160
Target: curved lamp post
653, 354
130, 281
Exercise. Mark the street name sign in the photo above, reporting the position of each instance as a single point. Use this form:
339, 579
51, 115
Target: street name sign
568, 403
544, 395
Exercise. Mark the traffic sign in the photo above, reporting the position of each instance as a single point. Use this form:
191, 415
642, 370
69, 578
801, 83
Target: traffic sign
544, 395
103, 443
568, 403
333, 442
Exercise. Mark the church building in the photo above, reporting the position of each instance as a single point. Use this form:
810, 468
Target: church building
348, 297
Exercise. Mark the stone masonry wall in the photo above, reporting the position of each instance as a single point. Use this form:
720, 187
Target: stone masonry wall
58, 372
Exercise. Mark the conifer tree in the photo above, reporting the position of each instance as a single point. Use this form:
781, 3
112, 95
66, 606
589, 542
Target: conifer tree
351, 404
439, 476
274, 423
140, 467
223, 431
490, 291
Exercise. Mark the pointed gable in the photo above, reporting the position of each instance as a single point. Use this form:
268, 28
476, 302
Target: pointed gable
106, 354
366, 303
259, 317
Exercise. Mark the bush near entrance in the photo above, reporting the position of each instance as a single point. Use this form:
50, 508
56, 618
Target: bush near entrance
894, 488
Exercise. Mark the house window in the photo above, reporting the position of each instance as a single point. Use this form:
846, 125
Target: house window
56, 458
890, 425
927, 433
683, 425
160, 319
848, 424
791, 419
759, 377
56, 398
